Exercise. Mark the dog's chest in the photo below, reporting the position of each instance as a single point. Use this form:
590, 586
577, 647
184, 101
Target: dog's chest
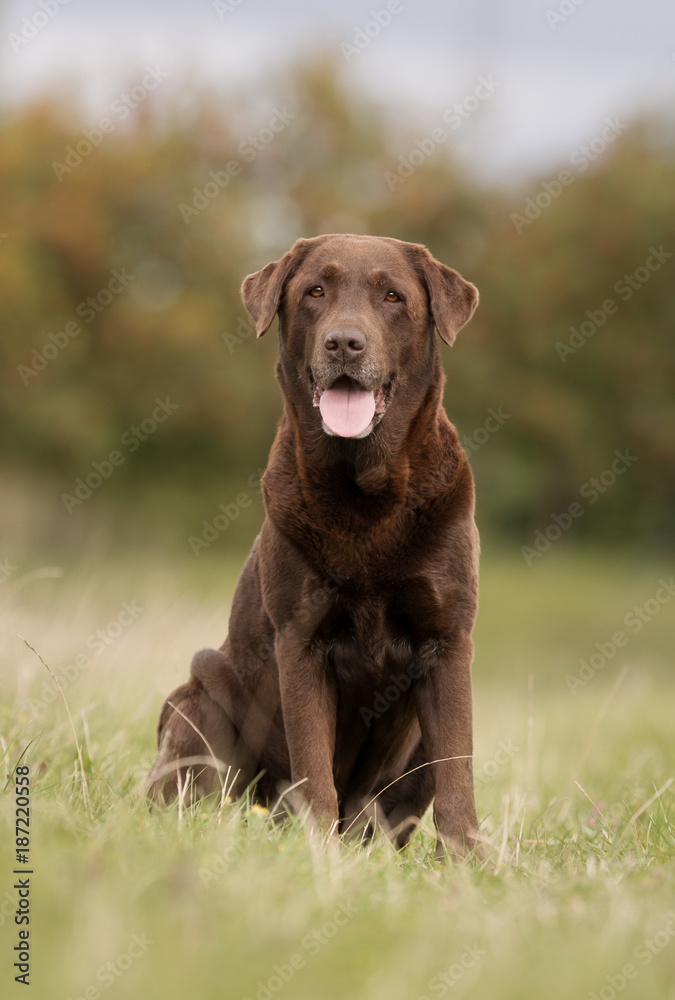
368, 633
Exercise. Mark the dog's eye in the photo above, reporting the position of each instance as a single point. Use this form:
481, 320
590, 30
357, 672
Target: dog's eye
316, 291
392, 296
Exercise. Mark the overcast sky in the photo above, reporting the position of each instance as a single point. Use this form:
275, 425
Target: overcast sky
558, 68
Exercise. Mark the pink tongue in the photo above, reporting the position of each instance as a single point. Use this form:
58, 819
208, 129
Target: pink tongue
347, 410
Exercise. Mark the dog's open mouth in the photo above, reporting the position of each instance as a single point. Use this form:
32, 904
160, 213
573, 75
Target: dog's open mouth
348, 410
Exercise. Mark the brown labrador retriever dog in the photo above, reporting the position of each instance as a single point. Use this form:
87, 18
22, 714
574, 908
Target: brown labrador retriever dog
346, 672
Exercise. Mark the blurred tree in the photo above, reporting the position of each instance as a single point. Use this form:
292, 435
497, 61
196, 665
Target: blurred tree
122, 255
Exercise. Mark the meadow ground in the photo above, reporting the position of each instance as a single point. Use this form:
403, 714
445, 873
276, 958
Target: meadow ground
574, 791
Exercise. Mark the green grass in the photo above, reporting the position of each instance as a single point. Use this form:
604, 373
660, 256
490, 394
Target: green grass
580, 873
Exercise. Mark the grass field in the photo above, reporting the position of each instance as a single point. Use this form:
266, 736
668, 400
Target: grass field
574, 793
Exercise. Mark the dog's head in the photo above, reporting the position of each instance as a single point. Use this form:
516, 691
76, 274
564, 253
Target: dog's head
356, 320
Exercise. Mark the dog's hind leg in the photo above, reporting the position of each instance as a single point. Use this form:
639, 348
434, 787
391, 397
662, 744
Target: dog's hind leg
197, 745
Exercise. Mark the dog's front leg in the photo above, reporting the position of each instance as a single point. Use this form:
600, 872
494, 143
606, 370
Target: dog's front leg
444, 710
309, 706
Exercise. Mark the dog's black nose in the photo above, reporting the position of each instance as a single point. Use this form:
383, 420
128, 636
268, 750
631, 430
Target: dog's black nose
345, 341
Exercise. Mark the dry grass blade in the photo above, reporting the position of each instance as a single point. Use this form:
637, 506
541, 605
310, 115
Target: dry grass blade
85, 790
505, 836
427, 763
204, 759
602, 712
200, 734
652, 798
289, 788
604, 825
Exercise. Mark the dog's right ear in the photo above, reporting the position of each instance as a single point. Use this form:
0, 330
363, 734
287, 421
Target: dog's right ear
261, 292
452, 299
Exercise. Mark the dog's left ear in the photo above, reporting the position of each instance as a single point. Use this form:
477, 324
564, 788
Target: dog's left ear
261, 292
452, 299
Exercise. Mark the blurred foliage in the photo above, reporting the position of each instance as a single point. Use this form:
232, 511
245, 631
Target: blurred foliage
178, 329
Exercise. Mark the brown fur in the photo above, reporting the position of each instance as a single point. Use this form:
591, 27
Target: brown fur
348, 658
